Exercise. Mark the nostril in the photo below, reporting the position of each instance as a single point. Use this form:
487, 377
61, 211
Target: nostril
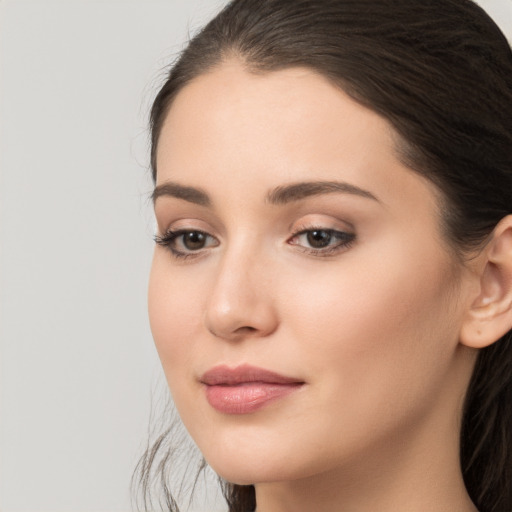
240, 331
246, 329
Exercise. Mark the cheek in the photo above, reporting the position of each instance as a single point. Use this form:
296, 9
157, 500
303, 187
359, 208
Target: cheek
377, 328
174, 316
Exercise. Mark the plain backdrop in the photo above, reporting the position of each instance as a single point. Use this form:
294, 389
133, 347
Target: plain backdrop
77, 364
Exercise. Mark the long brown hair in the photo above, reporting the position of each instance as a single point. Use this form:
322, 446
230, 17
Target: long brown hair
440, 71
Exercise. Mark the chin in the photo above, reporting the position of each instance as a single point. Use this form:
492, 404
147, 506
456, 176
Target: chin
246, 474
242, 469
249, 467
245, 466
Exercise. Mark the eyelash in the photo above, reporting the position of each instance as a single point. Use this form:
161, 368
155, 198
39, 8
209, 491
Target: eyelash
168, 239
345, 240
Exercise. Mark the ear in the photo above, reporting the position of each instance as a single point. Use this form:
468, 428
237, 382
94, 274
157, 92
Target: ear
489, 317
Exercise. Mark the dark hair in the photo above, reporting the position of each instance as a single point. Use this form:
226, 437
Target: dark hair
440, 71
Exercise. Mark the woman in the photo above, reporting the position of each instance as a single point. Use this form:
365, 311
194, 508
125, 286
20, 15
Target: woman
331, 290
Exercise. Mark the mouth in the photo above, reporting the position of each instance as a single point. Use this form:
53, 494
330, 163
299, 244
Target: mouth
245, 389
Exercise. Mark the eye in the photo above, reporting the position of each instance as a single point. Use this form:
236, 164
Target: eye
319, 239
322, 242
186, 242
193, 240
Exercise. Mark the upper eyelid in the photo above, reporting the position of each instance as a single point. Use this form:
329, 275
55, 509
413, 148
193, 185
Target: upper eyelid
325, 222
331, 217
345, 233
322, 226
183, 224
293, 231
176, 233
322, 220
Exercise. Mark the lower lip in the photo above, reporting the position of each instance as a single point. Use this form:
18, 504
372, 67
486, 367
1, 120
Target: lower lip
246, 397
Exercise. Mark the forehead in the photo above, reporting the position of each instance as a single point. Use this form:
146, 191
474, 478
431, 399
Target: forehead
294, 111
254, 131
291, 94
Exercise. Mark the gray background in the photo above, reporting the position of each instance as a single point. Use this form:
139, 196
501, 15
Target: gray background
77, 364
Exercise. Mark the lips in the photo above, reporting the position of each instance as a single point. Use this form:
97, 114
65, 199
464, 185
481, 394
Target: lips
245, 389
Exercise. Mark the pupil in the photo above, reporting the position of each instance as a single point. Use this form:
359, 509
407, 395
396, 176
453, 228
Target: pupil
319, 239
194, 240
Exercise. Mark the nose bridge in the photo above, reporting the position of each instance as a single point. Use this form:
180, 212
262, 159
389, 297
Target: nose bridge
240, 299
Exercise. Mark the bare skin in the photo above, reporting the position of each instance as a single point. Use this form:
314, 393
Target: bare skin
369, 320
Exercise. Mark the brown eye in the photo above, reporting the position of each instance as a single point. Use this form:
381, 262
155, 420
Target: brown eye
194, 240
185, 243
318, 239
322, 242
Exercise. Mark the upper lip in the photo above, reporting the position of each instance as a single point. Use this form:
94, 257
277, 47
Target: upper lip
224, 375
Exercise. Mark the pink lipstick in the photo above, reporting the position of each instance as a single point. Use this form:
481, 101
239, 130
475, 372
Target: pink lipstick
245, 389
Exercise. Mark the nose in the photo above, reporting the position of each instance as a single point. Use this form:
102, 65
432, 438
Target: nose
241, 301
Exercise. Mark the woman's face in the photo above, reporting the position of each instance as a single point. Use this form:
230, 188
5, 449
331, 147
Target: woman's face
293, 241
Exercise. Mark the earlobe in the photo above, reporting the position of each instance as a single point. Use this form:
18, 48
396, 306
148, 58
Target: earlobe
489, 316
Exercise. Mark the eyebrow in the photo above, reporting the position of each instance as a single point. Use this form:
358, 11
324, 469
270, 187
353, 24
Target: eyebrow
190, 194
280, 195
297, 191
